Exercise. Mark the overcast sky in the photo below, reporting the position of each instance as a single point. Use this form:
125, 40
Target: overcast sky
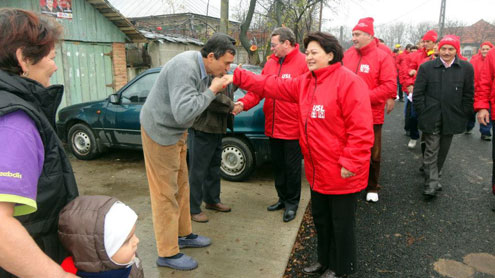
390, 11
411, 11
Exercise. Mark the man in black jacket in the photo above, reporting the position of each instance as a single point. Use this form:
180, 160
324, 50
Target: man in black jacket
443, 99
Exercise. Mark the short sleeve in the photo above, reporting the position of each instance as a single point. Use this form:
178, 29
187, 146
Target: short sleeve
21, 162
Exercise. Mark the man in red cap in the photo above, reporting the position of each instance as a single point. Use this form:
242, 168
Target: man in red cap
478, 61
412, 64
443, 99
377, 68
485, 99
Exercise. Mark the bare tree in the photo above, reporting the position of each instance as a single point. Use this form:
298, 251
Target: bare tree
392, 34
454, 27
416, 32
253, 56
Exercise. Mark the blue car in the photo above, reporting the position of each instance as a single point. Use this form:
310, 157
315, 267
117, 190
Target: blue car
92, 127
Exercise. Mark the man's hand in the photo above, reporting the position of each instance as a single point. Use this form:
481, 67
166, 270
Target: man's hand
412, 72
410, 89
238, 108
344, 173
483, 116
389, 105
220, 83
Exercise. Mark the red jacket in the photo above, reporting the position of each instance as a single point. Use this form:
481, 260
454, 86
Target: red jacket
281, 121
399, 63
377, 69
477, 61
413, 62
335, 124
486, 93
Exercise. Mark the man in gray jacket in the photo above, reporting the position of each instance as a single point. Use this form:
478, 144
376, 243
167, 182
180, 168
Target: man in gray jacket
179, 95
205, 154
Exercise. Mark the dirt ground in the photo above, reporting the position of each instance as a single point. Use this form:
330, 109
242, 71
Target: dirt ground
249, 234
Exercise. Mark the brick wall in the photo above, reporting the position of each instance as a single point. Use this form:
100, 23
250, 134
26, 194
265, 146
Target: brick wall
119, 65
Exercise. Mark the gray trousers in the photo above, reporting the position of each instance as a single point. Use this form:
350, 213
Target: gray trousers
205, 157
436, 149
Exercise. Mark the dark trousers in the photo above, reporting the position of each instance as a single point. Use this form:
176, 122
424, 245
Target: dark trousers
205, 157
493, 158
413, 122
334, 218
286, 160
486, 129
471, 122
376, 154
436, 149
407, 114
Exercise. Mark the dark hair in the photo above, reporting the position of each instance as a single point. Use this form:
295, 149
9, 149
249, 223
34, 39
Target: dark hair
395, 50
414, 47
408, 46
219, 44
382, 41
285, 34
35, 35
328, 42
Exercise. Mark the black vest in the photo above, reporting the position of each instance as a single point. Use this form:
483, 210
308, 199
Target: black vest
56, 185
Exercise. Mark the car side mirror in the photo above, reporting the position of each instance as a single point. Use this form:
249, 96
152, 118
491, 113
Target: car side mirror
114, 99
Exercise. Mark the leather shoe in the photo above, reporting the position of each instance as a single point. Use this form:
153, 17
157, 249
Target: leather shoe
430, 192
315, 268
200, 217
330, 274
277, 206
289, 215
218, 207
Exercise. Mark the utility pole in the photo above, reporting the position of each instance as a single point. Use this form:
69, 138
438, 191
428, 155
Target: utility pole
224, 16
441, 20
321, 15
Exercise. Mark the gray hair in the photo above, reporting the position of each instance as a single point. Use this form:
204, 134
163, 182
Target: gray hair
285, 34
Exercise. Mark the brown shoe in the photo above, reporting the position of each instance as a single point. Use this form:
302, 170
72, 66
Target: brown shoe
218, 207
200, 217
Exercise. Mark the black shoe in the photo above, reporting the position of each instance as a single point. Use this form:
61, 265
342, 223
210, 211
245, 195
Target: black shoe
314, 269
486, 137
289, 215
330, 274
277, 206
430, 192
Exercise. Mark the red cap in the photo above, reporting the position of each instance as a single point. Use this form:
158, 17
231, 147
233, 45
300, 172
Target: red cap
451, 40
430, 36
487, 43
365, 25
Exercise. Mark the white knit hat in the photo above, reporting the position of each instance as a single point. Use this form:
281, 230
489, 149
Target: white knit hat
119, 222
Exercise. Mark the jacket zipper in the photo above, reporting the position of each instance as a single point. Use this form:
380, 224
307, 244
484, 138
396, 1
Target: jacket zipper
307, 138
359, 63
273, 120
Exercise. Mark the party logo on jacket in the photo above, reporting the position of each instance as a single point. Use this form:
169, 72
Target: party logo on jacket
318, 112
364, 68
286, 76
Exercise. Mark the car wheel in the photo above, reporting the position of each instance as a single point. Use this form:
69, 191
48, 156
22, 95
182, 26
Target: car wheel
82, 142
237, 159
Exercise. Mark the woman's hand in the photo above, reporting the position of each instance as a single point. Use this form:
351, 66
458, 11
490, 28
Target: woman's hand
344, 173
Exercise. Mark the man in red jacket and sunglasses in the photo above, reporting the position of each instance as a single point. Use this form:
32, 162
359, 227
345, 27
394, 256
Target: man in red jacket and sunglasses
377, 68
282, 121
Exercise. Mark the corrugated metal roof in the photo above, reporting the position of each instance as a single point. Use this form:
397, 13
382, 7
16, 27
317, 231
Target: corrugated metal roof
107, 10
144, 8
176, 39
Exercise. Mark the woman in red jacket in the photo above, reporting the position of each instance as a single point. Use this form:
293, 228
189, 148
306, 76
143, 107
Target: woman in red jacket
336, 136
